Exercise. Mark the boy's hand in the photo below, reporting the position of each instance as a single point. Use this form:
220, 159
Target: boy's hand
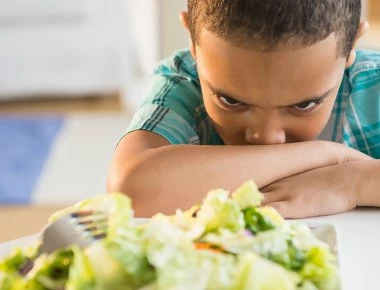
322, 191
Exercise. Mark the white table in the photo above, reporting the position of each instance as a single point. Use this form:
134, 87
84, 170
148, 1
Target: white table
358, 247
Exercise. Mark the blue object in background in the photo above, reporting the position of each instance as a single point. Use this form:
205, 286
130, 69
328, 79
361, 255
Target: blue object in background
25, 144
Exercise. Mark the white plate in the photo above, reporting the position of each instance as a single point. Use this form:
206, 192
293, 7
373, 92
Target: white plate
324, 232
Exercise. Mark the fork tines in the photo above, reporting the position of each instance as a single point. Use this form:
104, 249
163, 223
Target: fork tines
92, 224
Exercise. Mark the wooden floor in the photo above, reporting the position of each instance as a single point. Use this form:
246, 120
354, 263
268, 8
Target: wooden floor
61, 105
21, 221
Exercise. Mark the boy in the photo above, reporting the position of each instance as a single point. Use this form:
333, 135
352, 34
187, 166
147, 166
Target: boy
266, 79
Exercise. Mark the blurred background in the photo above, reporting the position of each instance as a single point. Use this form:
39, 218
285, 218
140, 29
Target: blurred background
71, 75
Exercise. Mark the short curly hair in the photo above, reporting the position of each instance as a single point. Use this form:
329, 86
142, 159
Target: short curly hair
270, 22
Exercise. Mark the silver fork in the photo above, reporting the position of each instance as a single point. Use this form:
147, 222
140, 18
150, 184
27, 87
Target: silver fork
79, 228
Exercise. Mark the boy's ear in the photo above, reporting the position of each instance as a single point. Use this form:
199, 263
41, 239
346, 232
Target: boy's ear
363, 27
184, 18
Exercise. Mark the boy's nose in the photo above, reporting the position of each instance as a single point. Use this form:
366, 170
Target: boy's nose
265, 136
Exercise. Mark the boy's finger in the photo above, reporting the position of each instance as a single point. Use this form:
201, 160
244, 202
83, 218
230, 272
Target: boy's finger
273, 196
287, 210
281, 207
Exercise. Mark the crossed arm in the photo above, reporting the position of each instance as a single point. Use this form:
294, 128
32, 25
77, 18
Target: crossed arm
160, 177
327, 190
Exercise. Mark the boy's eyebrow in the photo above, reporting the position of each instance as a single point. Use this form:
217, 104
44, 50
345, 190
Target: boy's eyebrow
310, 99
313, 99
220, 92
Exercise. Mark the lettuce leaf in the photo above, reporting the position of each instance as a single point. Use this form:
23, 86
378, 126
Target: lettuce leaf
218, 211
257, 273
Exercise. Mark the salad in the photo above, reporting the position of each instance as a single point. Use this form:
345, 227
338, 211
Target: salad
227, 242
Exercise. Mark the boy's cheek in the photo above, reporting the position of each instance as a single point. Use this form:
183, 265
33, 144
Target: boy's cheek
306, 130
229, 132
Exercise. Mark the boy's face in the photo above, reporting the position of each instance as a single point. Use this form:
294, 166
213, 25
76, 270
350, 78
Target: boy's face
255, 97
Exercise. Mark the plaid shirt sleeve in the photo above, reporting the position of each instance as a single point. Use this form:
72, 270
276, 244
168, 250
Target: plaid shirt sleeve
174, 106
355, 119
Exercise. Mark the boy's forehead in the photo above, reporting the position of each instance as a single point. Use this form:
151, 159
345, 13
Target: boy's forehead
240, 71
209, 40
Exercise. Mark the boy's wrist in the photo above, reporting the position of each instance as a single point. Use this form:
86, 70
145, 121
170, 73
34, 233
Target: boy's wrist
336, 153
367, 183
340, 153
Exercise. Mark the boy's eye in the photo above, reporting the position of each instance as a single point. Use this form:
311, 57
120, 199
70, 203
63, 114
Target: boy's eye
230, 102
307, 106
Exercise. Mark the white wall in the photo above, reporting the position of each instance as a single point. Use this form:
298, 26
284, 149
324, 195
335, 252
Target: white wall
174, 35
144, 29
155, 32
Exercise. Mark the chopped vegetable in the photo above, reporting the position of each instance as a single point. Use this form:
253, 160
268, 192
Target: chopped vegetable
228, 242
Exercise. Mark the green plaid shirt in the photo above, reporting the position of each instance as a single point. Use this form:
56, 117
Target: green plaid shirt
174, 106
